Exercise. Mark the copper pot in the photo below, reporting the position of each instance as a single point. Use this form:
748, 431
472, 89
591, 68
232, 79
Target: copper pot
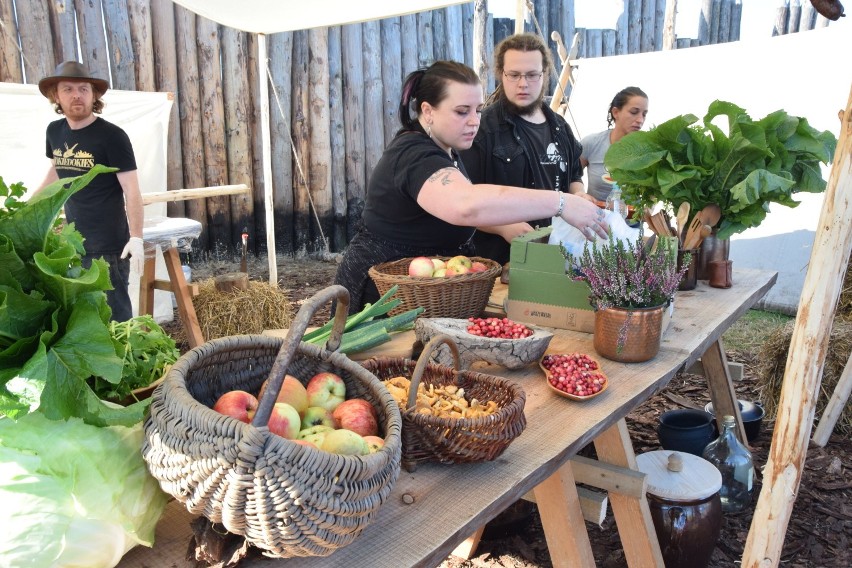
628, 335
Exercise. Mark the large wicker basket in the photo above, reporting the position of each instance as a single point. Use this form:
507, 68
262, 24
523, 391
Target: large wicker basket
461, 296
285, 498
453, 440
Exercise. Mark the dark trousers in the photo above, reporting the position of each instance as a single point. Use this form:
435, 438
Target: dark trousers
118, 298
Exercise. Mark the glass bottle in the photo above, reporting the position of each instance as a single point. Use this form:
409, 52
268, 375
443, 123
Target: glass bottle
615, 203
734, 462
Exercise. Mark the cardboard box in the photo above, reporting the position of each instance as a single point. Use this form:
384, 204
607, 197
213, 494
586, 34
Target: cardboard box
540, 292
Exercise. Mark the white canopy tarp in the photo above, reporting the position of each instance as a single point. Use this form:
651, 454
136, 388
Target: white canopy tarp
800, 73
270, 16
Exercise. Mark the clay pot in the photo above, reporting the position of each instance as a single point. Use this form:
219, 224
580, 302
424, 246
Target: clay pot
628, 335
683, 495
686, 430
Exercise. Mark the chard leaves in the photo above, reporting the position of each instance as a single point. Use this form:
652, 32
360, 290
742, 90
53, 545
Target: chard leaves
743, 168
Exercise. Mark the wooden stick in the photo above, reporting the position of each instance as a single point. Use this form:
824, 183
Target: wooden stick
823, 283
196, 193
835, 406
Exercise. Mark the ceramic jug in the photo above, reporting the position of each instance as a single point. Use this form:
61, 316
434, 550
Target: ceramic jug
683, 495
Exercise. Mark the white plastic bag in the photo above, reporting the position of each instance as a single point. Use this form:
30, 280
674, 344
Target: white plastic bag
575, 242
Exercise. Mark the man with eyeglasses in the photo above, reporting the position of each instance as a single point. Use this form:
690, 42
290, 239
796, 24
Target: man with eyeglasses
521, 141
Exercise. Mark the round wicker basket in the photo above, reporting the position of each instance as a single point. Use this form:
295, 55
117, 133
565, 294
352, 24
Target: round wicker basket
285, 498
461, 296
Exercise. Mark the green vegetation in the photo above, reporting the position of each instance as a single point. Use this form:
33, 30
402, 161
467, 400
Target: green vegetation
751, 330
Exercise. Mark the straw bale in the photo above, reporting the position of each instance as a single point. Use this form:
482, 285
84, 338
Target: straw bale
844, 305
773, 360
239, 312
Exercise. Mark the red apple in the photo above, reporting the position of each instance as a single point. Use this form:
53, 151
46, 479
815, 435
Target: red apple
420, 266
316, 416
292, 392
304, 443
238, 404
374, 443
326, 390
358, 415
456, 270
345, 442
478, 267
284, 421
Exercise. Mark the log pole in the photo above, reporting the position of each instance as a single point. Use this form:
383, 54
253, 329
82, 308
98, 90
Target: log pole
802, 376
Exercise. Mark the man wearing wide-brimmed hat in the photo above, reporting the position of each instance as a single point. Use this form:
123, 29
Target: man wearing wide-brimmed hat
108, 212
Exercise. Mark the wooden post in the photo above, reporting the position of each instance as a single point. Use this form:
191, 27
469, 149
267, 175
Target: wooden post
823, 283
139, 13
353, 124
426, 53
90, 23
467, 34
121, 56
189, 98
659, 24
594, 47
33, 26
781, 17
238, 131
439, 34
520, 16
374, 138
725, 21
669, 36
736, 18
213, 132
646, 34
408, 40
337, 171
264, 126
64, 30
835, 405
634, 25
10, 58
704, 22
714, 22
163, 47
301, 139
282, 196
391, 73
607, 43
795, 16
480, 51
320, 130
455, 35
807, 19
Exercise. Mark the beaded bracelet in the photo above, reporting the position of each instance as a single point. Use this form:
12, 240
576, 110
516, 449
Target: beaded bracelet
561, 204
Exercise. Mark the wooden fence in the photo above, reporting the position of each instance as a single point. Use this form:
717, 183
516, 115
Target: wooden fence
333, 91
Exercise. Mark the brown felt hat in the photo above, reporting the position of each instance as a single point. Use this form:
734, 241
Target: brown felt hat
71, 71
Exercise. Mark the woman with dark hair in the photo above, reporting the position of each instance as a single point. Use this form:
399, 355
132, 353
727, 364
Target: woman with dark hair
626, 114
419, 200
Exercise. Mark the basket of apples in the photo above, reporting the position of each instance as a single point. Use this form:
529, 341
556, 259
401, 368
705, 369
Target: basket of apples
574, 375
449, 415
450, 287
290, 445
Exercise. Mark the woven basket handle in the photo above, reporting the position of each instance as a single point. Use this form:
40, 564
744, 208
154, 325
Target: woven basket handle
424, 359
294, 337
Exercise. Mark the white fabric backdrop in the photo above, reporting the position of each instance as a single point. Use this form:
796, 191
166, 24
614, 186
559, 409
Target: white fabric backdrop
25, 114
806, 74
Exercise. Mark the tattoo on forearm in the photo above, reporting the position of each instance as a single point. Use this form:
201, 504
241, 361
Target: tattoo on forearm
442, 175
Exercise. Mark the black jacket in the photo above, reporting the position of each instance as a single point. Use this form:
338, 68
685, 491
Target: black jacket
500, 155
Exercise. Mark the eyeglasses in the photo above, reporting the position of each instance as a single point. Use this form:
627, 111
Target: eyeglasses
514, 77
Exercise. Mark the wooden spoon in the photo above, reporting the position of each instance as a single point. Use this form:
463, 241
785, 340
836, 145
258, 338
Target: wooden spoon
693, 233
703, 234
711, 214
681, 218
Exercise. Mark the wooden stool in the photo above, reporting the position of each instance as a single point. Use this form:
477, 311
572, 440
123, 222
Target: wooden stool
176, 284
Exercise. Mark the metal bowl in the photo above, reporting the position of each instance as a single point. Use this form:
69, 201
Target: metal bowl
752, 414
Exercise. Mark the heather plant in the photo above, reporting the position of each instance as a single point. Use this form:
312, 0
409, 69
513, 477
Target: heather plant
621, 274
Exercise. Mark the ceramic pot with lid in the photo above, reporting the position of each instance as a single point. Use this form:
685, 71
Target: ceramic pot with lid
683, 495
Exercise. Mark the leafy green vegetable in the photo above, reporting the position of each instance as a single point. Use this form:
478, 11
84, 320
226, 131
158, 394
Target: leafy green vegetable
743, 170
73, 494
54, 319
147, 353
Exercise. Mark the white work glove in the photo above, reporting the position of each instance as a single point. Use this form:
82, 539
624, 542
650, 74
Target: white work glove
136, 250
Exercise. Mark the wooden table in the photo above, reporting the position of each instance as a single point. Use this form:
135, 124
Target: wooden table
434, 509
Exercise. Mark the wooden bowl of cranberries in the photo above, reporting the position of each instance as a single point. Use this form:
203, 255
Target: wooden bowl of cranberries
574, 375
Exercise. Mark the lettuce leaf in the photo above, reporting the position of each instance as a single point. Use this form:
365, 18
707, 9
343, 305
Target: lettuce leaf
73, 494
